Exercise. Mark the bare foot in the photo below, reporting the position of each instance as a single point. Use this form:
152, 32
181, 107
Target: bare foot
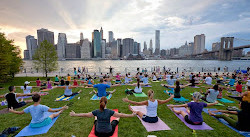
79, 91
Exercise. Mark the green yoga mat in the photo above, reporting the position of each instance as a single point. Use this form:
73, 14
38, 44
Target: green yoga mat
219, 104
140, 94
224, 100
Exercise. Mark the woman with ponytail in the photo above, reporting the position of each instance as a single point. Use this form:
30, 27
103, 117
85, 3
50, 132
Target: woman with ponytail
138, 88
103, 127
177, 88
194, 116
152, 105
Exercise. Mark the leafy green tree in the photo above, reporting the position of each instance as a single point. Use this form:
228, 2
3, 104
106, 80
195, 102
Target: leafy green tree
10, 59
45, 58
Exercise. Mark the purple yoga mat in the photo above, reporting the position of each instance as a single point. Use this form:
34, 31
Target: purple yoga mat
204, 126
160, 125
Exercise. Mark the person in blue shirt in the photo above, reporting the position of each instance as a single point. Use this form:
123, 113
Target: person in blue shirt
39, 119
101, 89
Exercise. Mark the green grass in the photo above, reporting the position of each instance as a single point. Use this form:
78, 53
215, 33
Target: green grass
128, 127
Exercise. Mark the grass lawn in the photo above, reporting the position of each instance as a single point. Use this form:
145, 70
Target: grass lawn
66, 126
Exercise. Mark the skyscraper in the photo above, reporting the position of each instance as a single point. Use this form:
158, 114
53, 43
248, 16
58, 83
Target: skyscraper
111, 36
81, 36
85, 49
97, 46
61, 45
31, 44
150, 50
157, 42
127, 44
45, 34
101, 31
199, 43
145, 49
136, 48
103, 44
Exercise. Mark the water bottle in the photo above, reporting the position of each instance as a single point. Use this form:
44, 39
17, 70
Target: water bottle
79, 97
73, 136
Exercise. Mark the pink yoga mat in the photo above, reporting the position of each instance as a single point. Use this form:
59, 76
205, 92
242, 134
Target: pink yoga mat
204, 126
160, 125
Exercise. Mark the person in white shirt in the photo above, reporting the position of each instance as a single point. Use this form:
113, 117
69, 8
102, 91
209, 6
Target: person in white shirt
151, 106
208, 80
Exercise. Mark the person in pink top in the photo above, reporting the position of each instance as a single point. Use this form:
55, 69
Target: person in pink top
118, 78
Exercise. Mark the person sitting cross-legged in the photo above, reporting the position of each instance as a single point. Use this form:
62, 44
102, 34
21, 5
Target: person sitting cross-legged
37, 112
101, 89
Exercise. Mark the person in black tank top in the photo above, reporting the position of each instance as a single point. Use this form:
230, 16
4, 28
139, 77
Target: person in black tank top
11, 98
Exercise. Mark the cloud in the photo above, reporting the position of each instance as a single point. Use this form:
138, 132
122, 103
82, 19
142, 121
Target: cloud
178, 20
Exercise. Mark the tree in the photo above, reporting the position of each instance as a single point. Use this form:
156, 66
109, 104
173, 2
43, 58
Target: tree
10, 59
45, 58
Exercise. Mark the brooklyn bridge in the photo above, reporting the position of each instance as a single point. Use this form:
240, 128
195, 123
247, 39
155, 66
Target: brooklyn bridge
226, 51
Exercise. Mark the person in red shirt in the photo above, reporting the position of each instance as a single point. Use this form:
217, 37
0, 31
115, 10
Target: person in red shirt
239, 87
75, 82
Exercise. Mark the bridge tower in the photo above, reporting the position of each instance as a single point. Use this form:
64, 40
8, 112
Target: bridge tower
226, 48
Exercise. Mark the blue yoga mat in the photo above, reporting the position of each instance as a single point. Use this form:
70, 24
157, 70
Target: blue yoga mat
246, 134
170, 91
224, 100
95, 97
147, 86
181, 99
28, 131
63, 98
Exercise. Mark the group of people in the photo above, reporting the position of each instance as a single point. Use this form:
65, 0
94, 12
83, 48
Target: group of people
103, 126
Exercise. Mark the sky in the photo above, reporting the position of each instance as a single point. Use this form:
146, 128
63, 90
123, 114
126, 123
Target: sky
178, 20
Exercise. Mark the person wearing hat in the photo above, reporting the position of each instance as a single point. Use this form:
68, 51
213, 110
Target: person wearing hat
26, 89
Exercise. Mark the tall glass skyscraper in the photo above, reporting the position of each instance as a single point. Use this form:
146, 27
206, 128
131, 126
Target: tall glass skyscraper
157, 42
97, 44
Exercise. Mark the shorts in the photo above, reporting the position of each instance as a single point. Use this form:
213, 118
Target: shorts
56, 83
190, 122
150, 119
114, 123
45, 122
20, 104
118, 81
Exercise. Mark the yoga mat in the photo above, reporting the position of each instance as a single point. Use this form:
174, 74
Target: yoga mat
155, 81
140, 94
219, 104
92, 132
95, 97
28, 131
160, 125
243, 133
63, 98
194, 87
181, 99
224, 100
147, 86
204, 126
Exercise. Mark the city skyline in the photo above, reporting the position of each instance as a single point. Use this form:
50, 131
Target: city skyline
179, 23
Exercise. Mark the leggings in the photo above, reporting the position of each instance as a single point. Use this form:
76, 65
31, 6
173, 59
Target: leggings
232, 121
75, 93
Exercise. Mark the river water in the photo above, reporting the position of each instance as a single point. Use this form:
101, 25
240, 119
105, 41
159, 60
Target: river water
131, 65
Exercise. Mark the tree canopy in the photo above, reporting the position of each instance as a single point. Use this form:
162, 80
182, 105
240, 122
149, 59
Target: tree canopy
45, 58
10, 58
